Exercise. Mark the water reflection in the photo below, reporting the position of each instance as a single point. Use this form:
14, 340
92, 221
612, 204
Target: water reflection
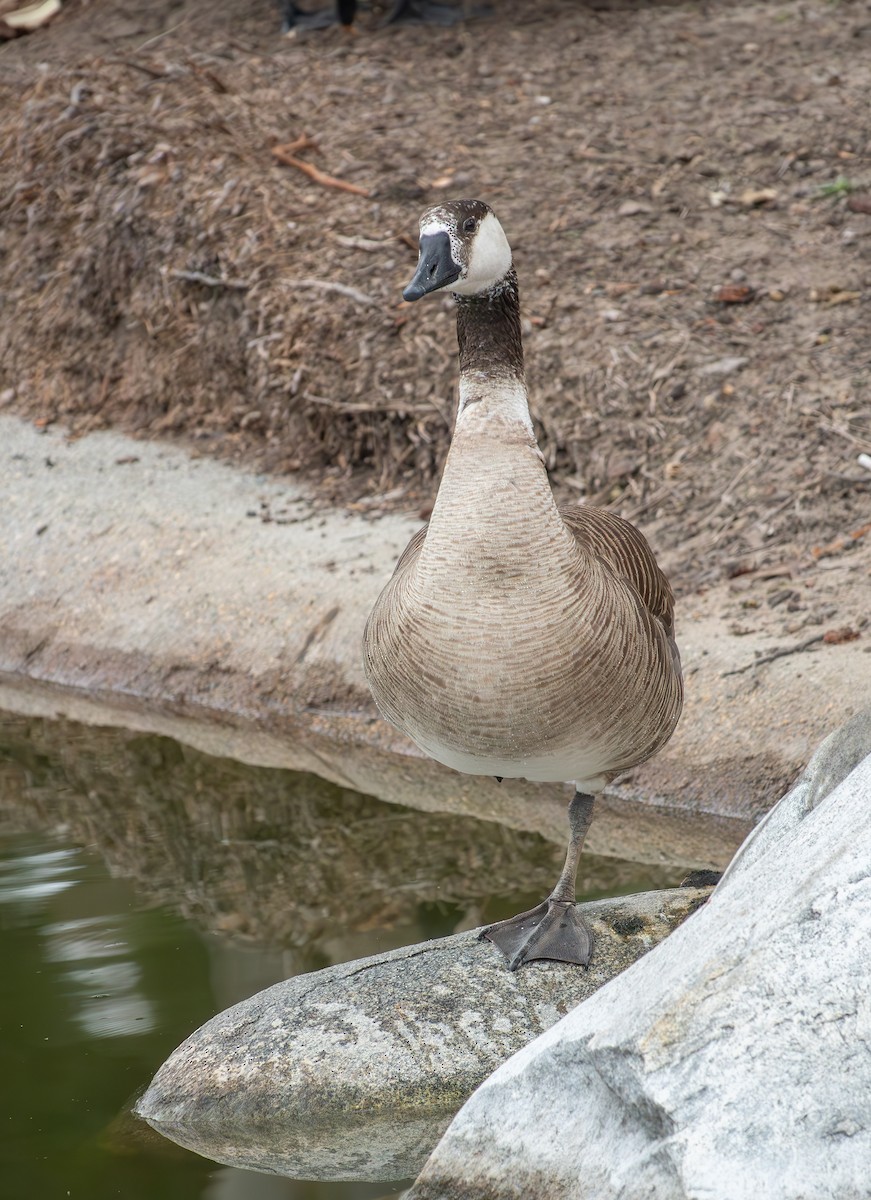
144, 887
35, 877
374, 1147
82, 964
68, 1060
244, 1185
270, 857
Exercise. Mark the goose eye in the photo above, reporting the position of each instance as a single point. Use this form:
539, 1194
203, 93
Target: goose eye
469, 225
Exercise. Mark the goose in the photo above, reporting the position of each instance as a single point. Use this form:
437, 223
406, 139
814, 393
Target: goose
516, 638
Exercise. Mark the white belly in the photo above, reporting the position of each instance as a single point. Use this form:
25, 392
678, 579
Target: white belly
586, 769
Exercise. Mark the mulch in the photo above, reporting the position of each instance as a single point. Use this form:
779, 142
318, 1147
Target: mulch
205, 230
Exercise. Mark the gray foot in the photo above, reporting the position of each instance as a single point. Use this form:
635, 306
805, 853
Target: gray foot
555, 930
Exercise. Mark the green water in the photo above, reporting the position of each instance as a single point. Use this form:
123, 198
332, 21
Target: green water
144, 887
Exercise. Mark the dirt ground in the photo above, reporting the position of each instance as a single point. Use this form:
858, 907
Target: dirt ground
687, 190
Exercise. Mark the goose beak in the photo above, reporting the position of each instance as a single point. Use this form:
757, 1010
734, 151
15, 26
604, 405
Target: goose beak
435, 269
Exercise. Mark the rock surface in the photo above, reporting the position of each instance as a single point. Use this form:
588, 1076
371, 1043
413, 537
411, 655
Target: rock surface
144, 587
733, 1061
355, 1070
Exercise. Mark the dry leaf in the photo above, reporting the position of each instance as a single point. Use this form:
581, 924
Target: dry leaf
752, 197
734, 293
835, 637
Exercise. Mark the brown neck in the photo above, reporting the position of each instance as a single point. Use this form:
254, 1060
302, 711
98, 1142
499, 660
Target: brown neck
488, 331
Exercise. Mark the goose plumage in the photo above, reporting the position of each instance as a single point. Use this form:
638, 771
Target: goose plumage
517, 638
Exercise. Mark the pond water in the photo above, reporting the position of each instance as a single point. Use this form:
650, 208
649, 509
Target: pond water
145, 886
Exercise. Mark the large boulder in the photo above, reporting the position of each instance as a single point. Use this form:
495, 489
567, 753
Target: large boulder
355, 1070
732, 1061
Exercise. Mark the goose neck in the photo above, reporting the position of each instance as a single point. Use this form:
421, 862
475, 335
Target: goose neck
488, 332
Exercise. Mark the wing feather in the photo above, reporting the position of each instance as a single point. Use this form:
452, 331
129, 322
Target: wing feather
409, 555
626, 551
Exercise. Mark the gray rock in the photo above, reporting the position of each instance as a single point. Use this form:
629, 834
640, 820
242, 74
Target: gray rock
837, 757
733, 1061
356, 1069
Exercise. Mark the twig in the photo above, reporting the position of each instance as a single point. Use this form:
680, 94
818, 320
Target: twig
152, 72
399, 409
778, 508
321, 177
327, 285
366, 503
163, 33
781, 653
361, 243
841, 542
239, 285
831, 427
616, 159
651, 501
303, 142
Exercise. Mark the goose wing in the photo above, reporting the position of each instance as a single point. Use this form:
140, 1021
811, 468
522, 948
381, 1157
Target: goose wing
626, 551
409, 555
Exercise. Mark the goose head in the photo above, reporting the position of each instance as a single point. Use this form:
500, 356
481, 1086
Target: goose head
462, 247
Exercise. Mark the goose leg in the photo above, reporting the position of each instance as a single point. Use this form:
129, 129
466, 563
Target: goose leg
555, 929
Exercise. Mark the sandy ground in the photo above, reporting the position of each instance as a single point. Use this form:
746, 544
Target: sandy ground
142, 587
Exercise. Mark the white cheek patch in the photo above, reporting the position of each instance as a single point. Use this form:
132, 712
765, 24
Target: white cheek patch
490, 259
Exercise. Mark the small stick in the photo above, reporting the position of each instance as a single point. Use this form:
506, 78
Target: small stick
303, 142
163, 33
361, 243
784, 650
210, 280
318, 176
599, 156
327, 285
153, 72
400, 409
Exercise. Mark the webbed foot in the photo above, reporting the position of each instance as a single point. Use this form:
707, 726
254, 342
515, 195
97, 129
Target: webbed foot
555, 930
